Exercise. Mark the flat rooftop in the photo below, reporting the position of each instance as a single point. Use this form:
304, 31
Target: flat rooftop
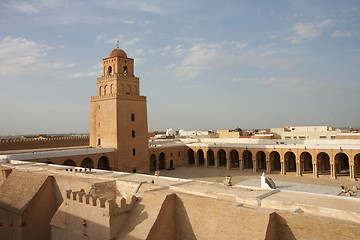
297, 197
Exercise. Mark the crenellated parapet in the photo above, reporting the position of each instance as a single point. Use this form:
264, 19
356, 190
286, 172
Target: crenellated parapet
38, 142
112, 207
54, 139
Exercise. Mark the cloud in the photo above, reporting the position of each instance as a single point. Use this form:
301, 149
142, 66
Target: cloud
342, 34
35, 6
308, 31
24, 7
123, 42
199, 58
239, 44
19, 56
135, 5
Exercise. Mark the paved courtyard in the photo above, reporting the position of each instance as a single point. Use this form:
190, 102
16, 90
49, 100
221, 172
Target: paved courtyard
247, 178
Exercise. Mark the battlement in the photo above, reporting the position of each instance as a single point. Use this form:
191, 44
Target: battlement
19, 140
113, 207
35, 143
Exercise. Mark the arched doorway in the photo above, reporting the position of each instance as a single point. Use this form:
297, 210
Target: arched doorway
222, 158
200, 157
323, 160
357, 165
234, 159
342, 164
103, 163
153, 162
171, 164
69, 162
191, 157
247, 159
162, 164
210, 157
275, 161
261, 160
87, 163
306, 162
290, 162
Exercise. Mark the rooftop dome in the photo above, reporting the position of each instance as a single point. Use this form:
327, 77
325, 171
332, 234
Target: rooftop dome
117, 52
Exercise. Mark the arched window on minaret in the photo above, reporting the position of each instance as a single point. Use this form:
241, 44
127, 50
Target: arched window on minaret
110, 71
100, 90
135, 90
128, 89
111, 88
105, 89
125, 70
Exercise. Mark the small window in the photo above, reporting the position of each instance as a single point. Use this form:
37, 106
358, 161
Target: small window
99, 141
133, 117
322, 137
99, 124
134, 152
171, 154
179, 153
287, 137
133, 133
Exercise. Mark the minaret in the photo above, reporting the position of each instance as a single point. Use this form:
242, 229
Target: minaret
118, 114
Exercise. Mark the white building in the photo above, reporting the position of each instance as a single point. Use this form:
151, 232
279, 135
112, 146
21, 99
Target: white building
305, 132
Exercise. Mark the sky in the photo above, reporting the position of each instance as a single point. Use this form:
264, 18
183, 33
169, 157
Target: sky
202, 64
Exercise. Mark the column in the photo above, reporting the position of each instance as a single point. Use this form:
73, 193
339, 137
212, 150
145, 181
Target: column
254, 164
283, 172
298, 169
268, 167
352, 172
206, 162
241, 164
333, 171
315, 171
216, 163
228, 163
196, 160
158, 163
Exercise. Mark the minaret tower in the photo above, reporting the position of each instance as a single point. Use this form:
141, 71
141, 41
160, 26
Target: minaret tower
118, 114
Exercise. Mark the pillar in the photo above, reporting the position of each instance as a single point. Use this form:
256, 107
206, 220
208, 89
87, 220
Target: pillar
228, 163
315, 170
241, 164
283, 172
216, 163
298, 169
196, 160
333, 171
352, 172
206, 162
158, 163
254, 164
268, 167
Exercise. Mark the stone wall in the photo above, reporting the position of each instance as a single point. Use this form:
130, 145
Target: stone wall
36, 143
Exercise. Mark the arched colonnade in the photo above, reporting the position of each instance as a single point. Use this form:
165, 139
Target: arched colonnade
322, 162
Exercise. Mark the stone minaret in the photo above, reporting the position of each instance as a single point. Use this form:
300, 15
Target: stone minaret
118, 114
